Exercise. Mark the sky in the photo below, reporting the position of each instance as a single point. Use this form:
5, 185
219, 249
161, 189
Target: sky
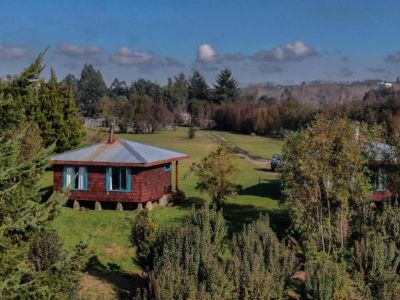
283, 42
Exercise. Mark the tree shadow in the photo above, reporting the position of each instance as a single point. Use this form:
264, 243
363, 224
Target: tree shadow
197, 202
237, 215
46, 193
124, 283
270, 189
266, 170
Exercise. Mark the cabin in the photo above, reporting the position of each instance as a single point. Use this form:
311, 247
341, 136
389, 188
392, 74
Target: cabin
382, 156
121, 172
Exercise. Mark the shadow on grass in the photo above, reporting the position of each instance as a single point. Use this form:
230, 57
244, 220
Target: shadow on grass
124, 283
197, 202
237, 215
270, 189
46, 193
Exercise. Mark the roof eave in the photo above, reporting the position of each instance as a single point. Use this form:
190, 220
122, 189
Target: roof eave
118, 164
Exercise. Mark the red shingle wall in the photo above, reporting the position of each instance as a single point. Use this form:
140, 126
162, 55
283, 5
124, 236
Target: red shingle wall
147, 184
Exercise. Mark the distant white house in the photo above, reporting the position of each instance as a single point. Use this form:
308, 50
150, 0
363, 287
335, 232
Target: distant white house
385, 84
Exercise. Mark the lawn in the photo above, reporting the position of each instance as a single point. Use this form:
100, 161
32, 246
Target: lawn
107, 231
256, 145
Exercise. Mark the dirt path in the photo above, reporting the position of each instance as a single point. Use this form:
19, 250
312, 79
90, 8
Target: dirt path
259, 161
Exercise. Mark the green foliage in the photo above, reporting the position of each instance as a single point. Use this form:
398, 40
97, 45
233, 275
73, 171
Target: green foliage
30, 264
191, 132
198, 88
188, 263
215, 174
91, 87
325, 181
226, 87
260, 266
375, 265
326, 279
57, 116
143, 236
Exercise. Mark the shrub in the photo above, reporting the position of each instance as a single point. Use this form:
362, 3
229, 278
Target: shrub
143, 236
191, 133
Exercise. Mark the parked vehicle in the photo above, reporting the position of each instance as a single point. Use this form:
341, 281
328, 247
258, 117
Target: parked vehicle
276, 162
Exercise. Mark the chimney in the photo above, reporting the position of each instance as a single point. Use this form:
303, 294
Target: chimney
357, 131
111, 135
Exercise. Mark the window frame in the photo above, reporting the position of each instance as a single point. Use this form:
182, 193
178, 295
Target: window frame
168, 167
109, 171
380, 174
71, 185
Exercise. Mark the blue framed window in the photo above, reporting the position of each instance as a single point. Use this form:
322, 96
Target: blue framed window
76, 178
168, 167
380, 180
118, 179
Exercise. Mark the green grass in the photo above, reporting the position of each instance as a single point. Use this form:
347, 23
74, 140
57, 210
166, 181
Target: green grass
107, 232
257, 145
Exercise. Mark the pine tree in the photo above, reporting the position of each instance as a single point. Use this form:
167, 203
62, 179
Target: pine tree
198, 88
91, 87
57, 116
24, 222
226, 87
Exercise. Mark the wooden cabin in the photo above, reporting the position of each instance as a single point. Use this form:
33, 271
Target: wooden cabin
382, 156
117, 171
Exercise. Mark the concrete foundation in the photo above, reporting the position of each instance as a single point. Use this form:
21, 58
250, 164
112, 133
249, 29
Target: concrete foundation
97, 205
139, 207
163, 201
119, 207
149, 205
76, 205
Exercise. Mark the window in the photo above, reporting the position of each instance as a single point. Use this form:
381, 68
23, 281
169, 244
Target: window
380, 184
118, 179
75, 178
168, 167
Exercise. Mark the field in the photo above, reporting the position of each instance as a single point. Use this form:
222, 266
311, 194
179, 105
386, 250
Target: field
107, 231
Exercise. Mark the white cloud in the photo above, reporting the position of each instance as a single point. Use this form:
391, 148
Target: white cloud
296, 51
12, 52
80, 51
205, 53
127, 57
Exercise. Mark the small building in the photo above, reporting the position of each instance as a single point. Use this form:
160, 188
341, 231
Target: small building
382, 156
117, 171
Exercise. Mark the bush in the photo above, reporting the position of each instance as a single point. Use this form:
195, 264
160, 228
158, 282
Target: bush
191, 133
326, 279
44, 251
143, 236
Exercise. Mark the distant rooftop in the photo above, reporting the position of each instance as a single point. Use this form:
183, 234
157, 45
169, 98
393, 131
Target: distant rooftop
120, 152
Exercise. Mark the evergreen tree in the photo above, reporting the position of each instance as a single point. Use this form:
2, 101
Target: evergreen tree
91, 87
57, 116
226, 87
71, 80
24, 223
198, 88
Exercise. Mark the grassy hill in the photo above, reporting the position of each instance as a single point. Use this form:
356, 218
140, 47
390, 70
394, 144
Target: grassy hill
107, 231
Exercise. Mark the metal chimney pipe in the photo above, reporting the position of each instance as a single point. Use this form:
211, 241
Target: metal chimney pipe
111, 133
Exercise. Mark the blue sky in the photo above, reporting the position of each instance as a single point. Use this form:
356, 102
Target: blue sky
276, 41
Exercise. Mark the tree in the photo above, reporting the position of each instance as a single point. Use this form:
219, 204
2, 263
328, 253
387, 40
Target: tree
226, 87
325, 180
91, 88
176, 92
26, 272
198, 88
191, 132
215, 174
143, 237
57, 116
